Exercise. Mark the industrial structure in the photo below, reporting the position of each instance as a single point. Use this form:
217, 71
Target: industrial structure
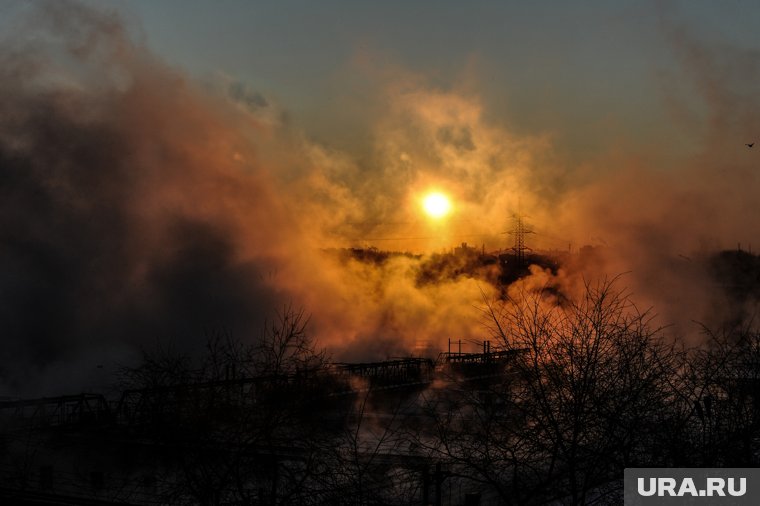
134, 450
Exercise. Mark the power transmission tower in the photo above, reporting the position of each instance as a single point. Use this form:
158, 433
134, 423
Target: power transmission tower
519, 231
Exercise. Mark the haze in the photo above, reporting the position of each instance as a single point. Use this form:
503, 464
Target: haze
170, 172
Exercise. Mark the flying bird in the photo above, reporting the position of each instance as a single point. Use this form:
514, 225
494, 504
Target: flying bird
750, 144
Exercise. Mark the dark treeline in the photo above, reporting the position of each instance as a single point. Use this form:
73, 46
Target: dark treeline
568, 392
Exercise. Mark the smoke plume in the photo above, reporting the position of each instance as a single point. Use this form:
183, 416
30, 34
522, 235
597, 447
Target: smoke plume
137, 205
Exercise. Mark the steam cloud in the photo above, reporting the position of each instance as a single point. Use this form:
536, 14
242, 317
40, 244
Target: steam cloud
136, 205
123, 201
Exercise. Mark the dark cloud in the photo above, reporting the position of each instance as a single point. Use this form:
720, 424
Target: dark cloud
460, 138
251, 98
117, 214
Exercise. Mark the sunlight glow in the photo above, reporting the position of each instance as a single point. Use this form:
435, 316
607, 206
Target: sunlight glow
436, 205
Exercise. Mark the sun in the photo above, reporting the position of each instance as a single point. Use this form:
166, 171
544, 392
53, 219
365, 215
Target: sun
436, 205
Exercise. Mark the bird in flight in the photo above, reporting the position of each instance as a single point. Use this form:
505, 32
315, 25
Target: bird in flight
750, 144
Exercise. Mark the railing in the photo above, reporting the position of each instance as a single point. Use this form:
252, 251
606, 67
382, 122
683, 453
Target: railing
56, 411
136, 406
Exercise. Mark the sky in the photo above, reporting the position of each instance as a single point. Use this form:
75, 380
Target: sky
587, 72
175, 170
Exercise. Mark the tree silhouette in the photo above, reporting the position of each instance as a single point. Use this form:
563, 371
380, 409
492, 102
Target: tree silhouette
587, 383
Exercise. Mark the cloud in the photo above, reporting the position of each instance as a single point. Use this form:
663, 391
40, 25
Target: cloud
137, 205
122, 201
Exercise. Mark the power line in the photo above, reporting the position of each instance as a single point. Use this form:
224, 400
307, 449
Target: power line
424, 238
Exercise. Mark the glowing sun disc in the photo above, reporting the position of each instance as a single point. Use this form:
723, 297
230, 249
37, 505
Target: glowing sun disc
436, 205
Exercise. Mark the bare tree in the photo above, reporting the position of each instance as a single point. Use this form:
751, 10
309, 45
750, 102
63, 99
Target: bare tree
369, 463
720, 400
588, 381
240, 422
